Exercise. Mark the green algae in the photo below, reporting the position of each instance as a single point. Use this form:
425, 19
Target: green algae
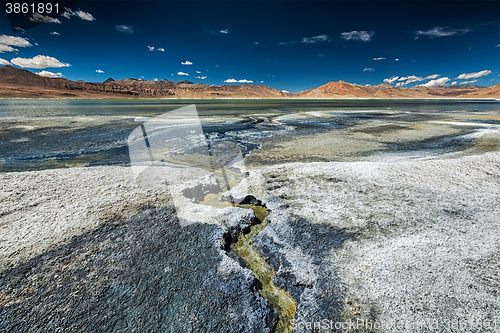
283, 304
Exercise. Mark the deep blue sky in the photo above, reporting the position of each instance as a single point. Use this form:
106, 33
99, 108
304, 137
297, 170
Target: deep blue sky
289, 46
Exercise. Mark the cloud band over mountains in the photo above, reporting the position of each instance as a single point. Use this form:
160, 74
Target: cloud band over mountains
466, 76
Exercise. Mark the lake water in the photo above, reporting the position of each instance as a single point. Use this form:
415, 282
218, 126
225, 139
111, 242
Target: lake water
40, 134
154, 107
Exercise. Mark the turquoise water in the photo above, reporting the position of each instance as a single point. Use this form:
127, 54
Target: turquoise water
40, 134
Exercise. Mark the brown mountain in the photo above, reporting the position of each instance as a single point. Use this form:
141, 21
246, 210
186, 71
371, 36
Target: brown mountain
491, 92
336, 89
343, 89
15, 82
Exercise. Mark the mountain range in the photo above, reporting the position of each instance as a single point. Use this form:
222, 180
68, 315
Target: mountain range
15, 82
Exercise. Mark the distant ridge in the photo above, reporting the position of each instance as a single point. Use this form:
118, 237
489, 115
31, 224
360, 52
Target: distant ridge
15, 82
342, 89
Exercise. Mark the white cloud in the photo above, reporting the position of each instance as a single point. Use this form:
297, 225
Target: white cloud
238, 81
391, 80
410, 79
368, 70
433, 76
224, 31
201, 77
256, 43
67, 14
84, 15
396, 59
50, 74
80, 14
363, 36
6, 48
14, 41
152, 48
286, 91
182, 73
466, 82
442, 32
54, 33
261, 81
187, 62
466, 76
436, 83
99, 71
4, 62
315, 39
498, 45
39, 61
198, 72
126, 29
453, 83
404, 80
381, 58
155, 79
39, 18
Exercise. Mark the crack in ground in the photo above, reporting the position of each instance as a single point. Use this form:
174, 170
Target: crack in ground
241, 243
